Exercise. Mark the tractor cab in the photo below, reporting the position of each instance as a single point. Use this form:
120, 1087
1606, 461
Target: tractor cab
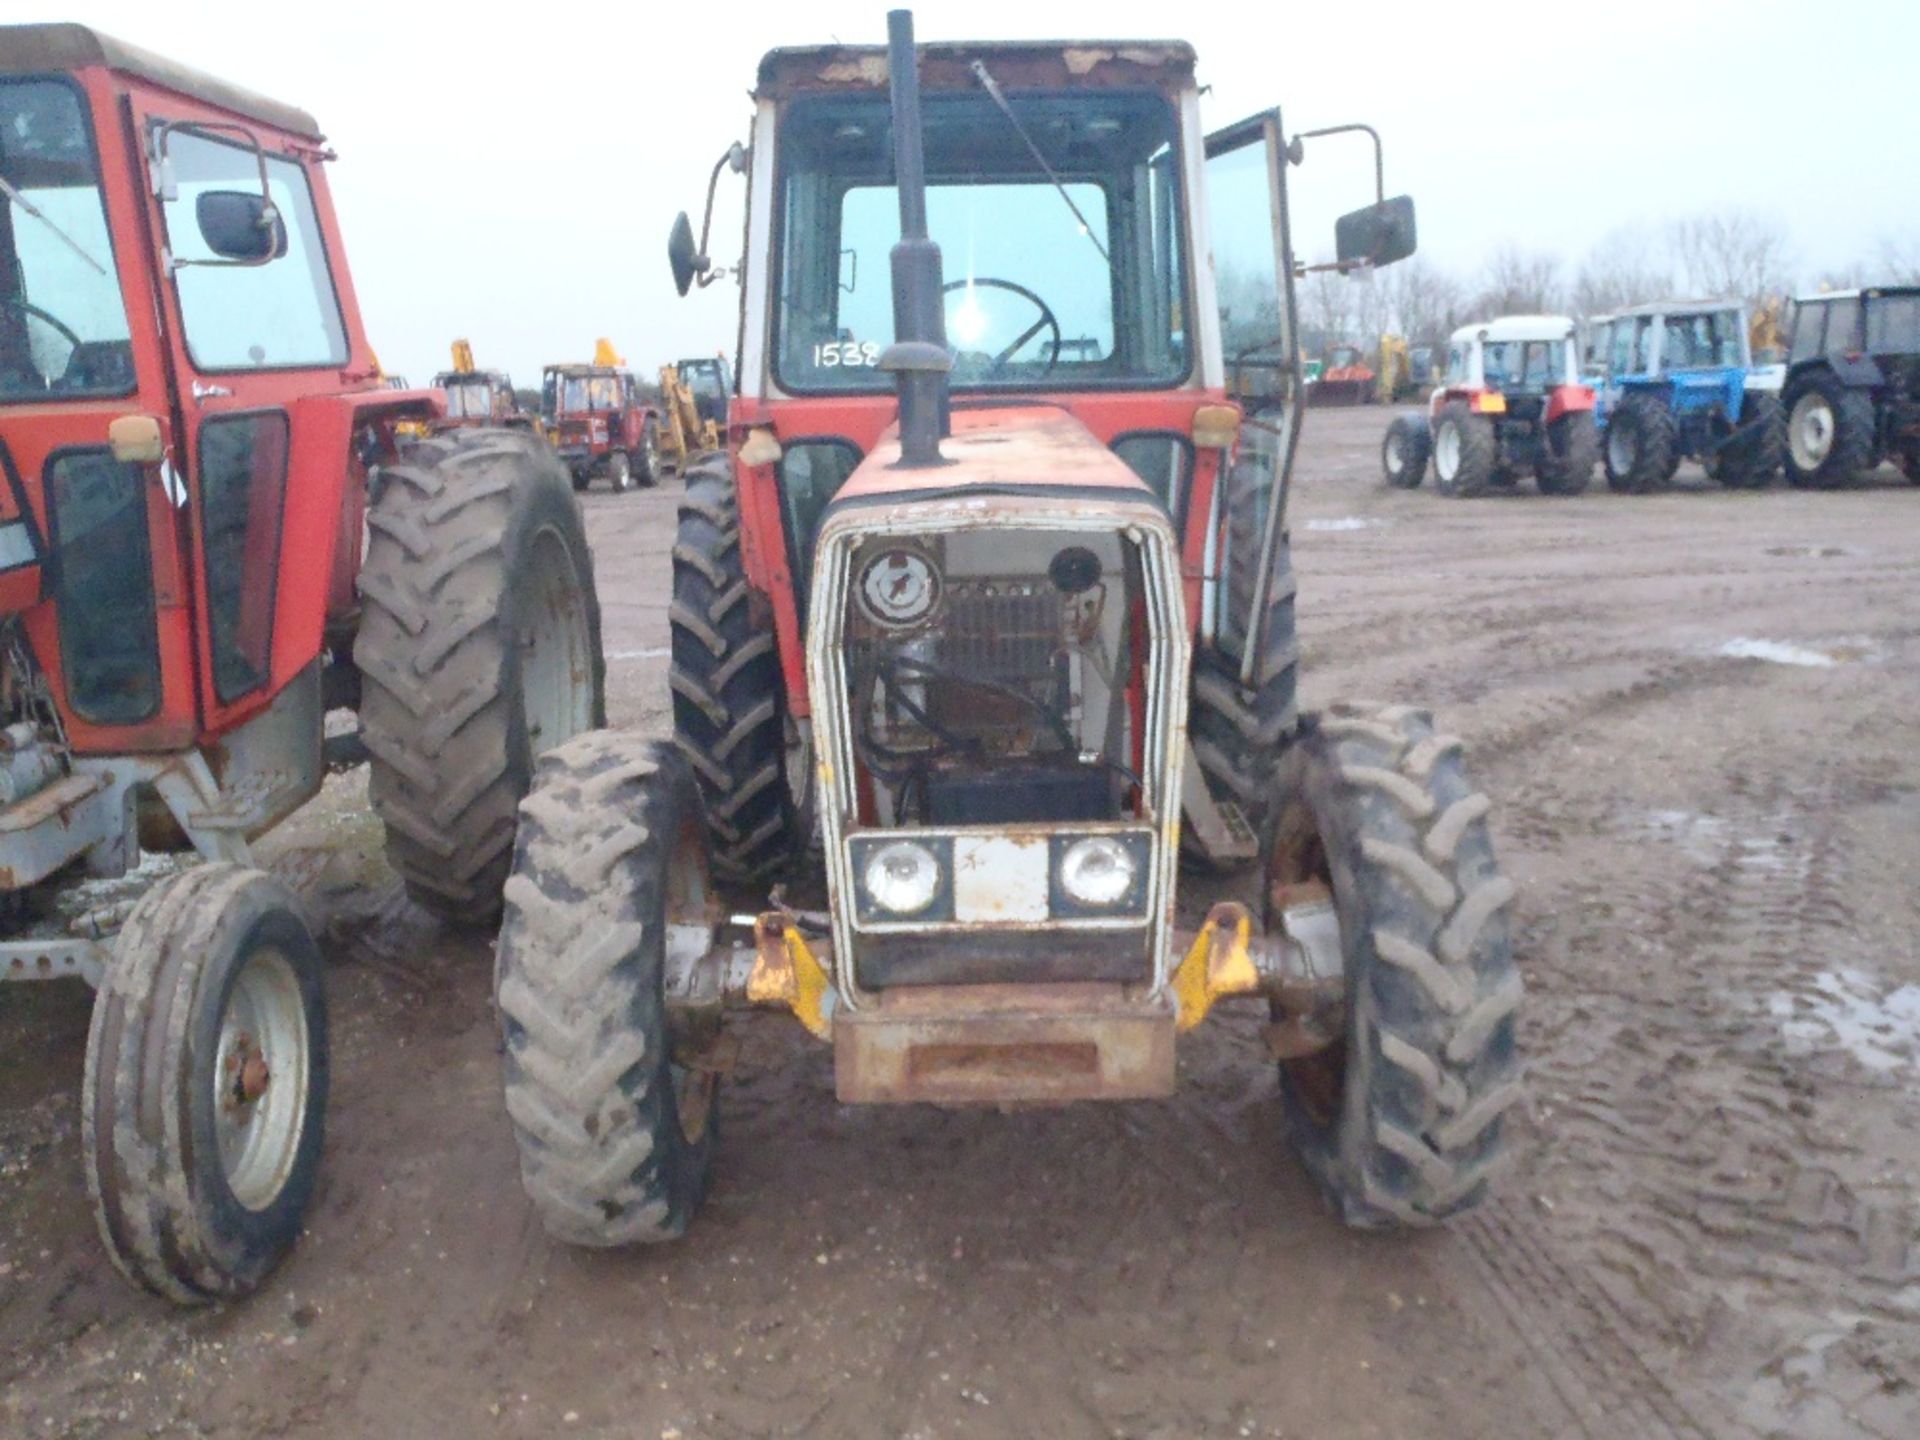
477, 397
710, 381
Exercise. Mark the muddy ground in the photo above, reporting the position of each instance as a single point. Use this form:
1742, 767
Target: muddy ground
1696, 713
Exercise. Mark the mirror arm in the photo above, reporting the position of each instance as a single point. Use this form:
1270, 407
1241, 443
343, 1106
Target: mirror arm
163, 180
735, 159
1379, 153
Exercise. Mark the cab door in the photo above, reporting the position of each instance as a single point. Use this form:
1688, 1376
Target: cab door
1253, 282
254, 325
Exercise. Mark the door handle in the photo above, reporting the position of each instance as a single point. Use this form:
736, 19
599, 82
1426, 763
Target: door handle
202, 393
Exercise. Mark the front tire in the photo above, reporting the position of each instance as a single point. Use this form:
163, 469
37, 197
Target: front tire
1465, 452
619, 472
1751, 457
1404, 451
1401, 1119
610, 870
1829, 432
647, 462
1641, 445
480, 640
1567, 458
728, 701
204, 1100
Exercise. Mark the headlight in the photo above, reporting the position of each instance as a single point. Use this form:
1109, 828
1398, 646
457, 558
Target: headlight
1097, 871
903, 877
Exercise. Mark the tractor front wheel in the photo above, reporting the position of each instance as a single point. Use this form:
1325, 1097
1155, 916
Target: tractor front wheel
728, 704
1751, 454
1399, 1119
1465, 452
206, 1085
1641, 448
1829, 432
609, 879
479, 649
1568, 454
619, 472
1404, 451
647, 460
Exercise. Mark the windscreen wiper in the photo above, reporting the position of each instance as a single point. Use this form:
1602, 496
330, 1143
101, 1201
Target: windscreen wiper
992, 87
27, 205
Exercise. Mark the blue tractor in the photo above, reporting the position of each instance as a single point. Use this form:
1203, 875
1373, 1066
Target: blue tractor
1676, 381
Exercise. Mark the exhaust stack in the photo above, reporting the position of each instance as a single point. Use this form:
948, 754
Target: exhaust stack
918, 356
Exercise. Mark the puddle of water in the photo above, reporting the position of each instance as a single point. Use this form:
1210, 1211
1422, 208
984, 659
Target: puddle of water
1345, 522
1710, 841
653, 652
1845, 1007
1780, 652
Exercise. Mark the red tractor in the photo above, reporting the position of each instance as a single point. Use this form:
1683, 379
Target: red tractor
478, 397
211, 541
1511, 401
600, 422
984, 618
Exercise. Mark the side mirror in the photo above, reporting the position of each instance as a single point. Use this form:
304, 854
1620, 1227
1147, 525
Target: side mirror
1378, 235
241, 226
683, 255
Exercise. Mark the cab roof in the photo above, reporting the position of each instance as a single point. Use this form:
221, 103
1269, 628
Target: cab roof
1516, 327
1016, 64
1870, 291
53, 49
1680, 307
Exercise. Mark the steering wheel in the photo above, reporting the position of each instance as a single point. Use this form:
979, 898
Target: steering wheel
1047, 321
54, 322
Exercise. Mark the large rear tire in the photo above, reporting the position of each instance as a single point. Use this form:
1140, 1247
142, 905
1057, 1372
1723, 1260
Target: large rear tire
1404, 451
204, 1100
1400, 1120
1568, 455
1641, 444
610, 877
728, 701
1465, 452
1830, 432
480, 645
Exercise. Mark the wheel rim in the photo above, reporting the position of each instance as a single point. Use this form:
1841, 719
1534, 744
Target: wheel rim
692, 922
621, 469
1811, 433
1299, 872
261, 1076
556, 660
1446, 452
1396, 453
1620, 448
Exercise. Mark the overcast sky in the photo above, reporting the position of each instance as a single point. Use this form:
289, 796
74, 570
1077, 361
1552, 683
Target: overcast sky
513, 182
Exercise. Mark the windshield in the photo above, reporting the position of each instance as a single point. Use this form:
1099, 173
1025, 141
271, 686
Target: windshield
1525, 364
1709, 339
1035, 297
469, 399
590, 392
1893, 325
63, 325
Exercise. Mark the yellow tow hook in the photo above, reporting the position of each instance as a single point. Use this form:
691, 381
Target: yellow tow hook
785, 972
1217, 963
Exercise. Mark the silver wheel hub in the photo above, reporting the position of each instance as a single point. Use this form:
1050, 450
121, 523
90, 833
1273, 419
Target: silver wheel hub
556, 660
1446, 452
262, 1071
1620, 448
1811, 433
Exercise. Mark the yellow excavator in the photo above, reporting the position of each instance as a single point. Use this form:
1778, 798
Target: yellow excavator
693, 404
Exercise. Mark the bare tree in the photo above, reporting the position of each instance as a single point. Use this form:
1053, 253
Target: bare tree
1736, 253
1899, 261
1328, 309
1517, 282
1625, 268
1422, 302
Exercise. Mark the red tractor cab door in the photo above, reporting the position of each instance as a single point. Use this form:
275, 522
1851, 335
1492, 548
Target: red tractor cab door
1253, 277
254, 325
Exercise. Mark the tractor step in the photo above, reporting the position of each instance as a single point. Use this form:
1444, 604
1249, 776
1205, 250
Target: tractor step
994, 1044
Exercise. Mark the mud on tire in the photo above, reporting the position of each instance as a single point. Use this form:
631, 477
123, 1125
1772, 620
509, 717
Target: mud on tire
1401, 1120
615, 1140
478, 648
198, 1184
1568, 454
1641, 445
728, 705
1465, 452
1404, 451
